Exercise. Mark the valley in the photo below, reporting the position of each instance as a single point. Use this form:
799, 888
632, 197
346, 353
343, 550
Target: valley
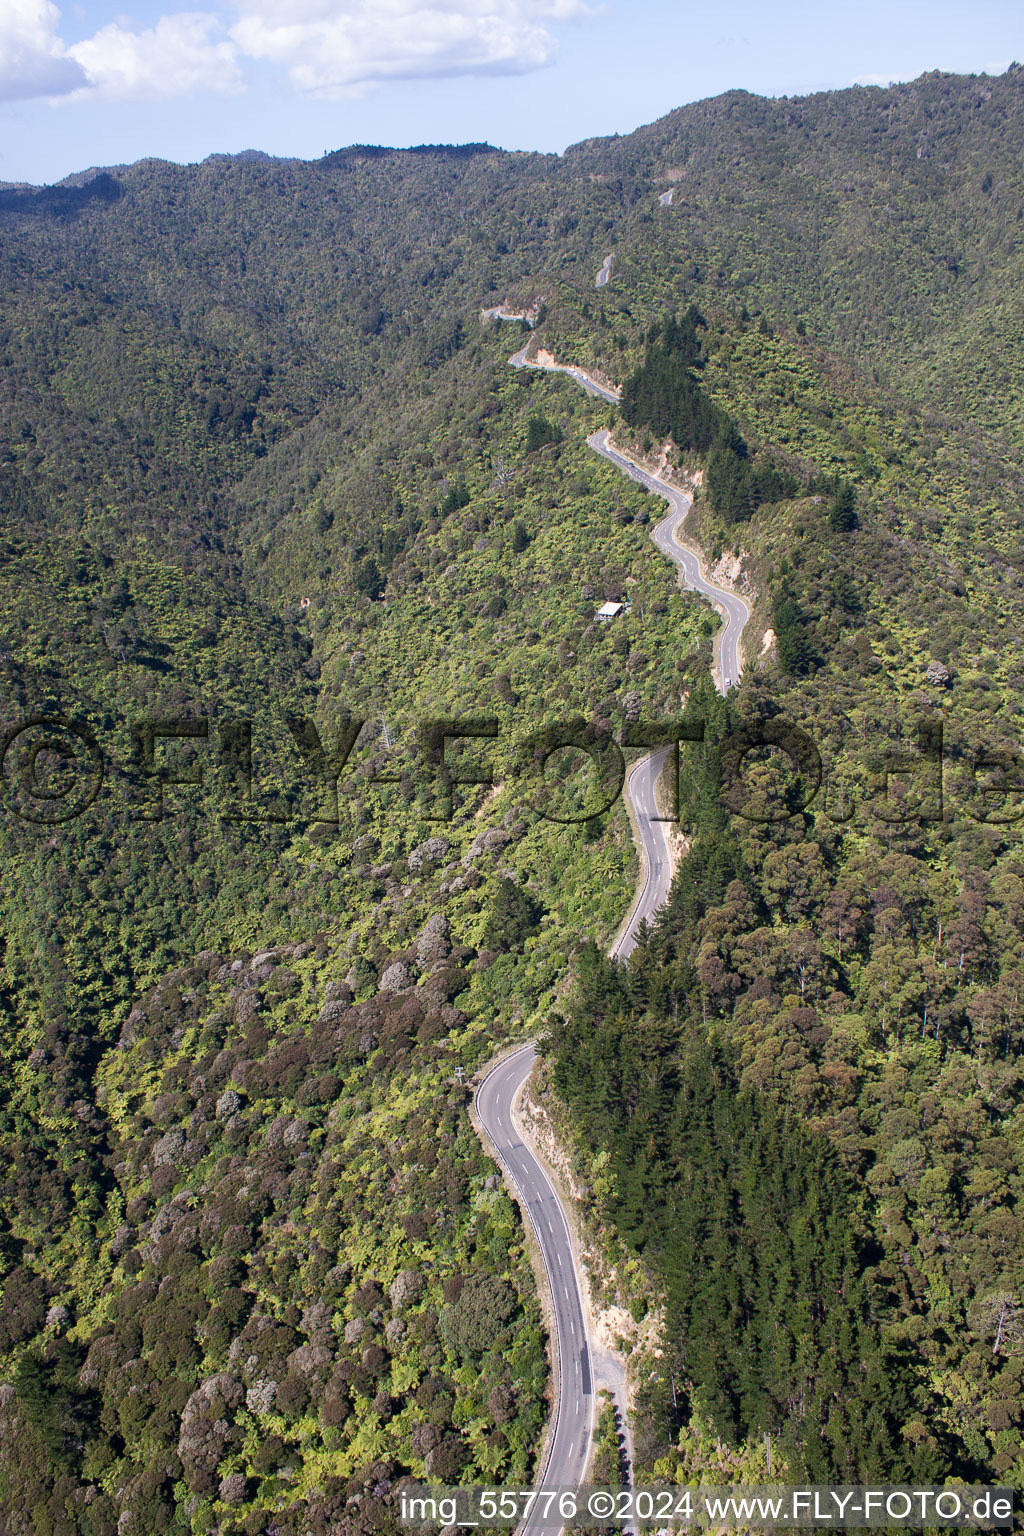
264, 467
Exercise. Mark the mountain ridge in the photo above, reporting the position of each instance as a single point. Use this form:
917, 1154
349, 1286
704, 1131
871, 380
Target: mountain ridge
261, 460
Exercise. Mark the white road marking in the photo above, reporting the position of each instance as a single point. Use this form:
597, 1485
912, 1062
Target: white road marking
731, 608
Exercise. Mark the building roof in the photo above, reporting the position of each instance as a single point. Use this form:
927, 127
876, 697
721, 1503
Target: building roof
609, 610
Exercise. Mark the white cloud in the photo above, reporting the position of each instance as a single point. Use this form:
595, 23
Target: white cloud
330, 48
340, 47
180, 55
33, 60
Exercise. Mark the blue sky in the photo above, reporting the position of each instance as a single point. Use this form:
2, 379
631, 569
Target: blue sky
87, 82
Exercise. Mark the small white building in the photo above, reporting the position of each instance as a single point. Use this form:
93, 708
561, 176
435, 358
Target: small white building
608, 611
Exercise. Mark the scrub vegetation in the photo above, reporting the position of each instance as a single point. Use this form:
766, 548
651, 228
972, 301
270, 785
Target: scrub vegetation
268, 484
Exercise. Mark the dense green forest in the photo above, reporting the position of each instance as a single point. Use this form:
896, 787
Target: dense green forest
823, 1185
664, 397
272, 501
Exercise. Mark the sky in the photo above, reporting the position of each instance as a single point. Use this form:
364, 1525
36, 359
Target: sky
86, 83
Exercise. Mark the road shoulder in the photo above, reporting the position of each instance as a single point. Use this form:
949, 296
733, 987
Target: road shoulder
533, 1250
609, 1366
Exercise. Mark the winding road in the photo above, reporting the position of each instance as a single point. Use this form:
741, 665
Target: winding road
651, 832
733, 609
583, 379
569, 1440
568, 1443
656, 850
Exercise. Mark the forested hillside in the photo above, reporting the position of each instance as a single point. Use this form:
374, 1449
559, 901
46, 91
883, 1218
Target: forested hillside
272, 502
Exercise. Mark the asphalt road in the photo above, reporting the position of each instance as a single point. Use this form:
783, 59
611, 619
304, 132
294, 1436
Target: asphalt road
583, 379
733, 609
644, 775
569, 1443
570, 1440
654, 846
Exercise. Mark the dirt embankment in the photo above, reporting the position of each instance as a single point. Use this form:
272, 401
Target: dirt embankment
616, 1337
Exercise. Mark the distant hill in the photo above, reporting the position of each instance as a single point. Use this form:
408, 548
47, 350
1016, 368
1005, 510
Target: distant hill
270, 499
